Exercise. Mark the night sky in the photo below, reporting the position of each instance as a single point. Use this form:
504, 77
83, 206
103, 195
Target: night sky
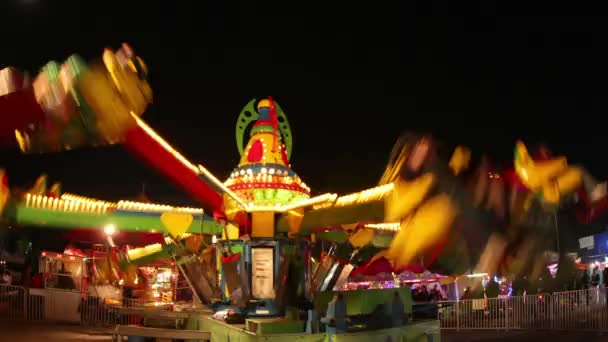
350, 78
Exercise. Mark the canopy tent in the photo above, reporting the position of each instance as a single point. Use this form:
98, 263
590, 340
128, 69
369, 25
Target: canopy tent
381, 268
121, 238
379, 264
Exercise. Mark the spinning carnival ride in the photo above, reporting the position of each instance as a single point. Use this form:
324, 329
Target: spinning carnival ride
428, 212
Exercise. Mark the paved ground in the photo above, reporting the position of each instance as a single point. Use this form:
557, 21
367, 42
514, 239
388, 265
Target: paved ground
35, 332
534, 336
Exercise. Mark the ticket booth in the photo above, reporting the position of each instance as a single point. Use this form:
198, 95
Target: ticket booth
63, 286
261, 267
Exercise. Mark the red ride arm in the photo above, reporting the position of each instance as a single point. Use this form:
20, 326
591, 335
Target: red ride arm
589, 214
17, 110
144, 145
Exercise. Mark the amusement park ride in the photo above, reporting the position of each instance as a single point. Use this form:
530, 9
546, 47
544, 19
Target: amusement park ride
429, 212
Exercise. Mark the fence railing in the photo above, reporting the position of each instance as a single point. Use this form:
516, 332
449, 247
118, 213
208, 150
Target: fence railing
19, 303
572, 310
96, 311
13, 302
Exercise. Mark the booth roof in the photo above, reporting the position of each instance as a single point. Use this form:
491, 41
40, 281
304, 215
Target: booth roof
381, 266
135, 239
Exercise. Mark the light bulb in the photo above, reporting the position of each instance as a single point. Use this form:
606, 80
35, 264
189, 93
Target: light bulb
109, 229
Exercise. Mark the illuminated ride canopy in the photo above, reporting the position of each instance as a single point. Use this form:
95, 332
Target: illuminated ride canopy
263, 180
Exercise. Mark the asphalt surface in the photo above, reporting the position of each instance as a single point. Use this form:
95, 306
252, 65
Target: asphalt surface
35, 332
523, 336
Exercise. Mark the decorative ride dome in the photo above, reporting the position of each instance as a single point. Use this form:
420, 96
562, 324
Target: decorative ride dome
263, 177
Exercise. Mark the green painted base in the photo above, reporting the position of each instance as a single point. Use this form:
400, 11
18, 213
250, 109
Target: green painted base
270, 326
361, 302
423, 331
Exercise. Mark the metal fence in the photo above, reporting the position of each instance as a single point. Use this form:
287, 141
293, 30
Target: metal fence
572, 310
96, 311
19, 303
13, 302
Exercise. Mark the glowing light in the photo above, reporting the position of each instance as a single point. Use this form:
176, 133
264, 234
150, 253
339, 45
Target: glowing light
158, 208
365, 196
75, 203
300, 202
321, 199
137, 253
476, 275
392, 226
67, 203
257, 208
214, 239
109, 229
78, 198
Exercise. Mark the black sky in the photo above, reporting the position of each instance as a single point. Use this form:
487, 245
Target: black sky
351, 78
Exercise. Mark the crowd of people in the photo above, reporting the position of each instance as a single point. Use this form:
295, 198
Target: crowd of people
594, 277
422, 294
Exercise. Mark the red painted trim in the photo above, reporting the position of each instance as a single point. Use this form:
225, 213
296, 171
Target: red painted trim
147, 148
268, 185
17, 110
587, 215
231, 258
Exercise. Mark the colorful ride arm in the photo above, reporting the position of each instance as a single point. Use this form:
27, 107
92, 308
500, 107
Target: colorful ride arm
75, 212
148, 145
364, 206
586, 215
147, 254
18, 104
550, 178
435, 218
5, 191
386, 203
74, 104
190, 245
460, 160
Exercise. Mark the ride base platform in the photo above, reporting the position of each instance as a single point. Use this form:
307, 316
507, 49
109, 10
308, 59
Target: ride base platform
417, 331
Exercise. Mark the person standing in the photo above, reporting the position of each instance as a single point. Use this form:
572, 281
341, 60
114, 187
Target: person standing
341, 315
397, 311
330, 317
595, 277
